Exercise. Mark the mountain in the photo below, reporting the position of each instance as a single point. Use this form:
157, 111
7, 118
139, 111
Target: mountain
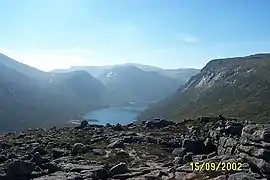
136, 82
133, 84
29, 97
22, 68
95, 71
181, 75
237, 87
81, 84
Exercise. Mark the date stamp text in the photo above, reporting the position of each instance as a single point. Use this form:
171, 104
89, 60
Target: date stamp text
216, 166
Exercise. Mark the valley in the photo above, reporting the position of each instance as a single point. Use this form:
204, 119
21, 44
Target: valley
33, 98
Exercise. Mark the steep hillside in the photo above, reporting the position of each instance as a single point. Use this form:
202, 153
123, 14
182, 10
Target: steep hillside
29, 97
237, 87
22, 68
80, 84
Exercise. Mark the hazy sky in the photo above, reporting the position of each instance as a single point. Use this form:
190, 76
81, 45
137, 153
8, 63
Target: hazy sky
50, 34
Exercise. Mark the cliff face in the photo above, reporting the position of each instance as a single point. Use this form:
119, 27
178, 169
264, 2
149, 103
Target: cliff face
236, 87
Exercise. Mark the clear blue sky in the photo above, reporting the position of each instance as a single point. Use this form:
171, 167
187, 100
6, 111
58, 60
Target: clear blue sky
52, 34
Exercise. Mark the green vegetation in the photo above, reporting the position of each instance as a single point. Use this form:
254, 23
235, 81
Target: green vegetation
237, 87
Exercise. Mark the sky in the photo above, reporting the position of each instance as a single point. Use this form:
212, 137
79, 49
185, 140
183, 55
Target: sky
56, 34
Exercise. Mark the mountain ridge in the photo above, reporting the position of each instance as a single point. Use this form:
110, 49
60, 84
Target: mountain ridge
233, 87
30, 97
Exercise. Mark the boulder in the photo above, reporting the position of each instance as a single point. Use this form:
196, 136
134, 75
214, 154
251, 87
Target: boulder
179, 152
77, 149
51, 167
37, 159
19, 169
3, 158
158, 123
99, 152
120, 168
209, 146
117, 144
195, 146
40, 150
256, 152
57, 153
100, 173
118, 127
85, 149
241, 176
83, 124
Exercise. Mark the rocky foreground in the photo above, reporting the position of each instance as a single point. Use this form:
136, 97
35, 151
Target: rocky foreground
152, 150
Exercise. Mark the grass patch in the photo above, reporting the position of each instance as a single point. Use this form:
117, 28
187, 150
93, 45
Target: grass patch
100, 145
92, 157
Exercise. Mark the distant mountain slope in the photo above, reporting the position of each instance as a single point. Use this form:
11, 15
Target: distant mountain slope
237, 87
33, 98
182, 75
136, 82
81, 84
22, 68
133, 84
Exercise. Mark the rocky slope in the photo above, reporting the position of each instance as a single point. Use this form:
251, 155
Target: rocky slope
156, 149
236, 87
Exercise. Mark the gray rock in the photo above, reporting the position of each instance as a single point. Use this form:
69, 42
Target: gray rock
131, 139
83, 124
37, 159
174, 143
99, 152
209, 146
227, 145
256, 152
195, 146
222, 177
233, 129
40, 150
51, 167
178, 160
85, 149
241, 176
61, 176
117, 144
77, 149
4, 177
178, 152
118, 169
261, 165
3, 158
19, 169
57, 153
118, 127
158, 123
72, 167
257, 132
187, 158
100, 173
262, 134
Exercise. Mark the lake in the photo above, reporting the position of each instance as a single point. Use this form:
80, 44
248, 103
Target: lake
115, 114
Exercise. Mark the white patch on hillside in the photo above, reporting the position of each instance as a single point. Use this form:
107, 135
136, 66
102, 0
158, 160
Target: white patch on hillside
209, 79
190, 84
110, 75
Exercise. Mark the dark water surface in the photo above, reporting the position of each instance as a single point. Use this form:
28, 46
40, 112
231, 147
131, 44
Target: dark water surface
115, 114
